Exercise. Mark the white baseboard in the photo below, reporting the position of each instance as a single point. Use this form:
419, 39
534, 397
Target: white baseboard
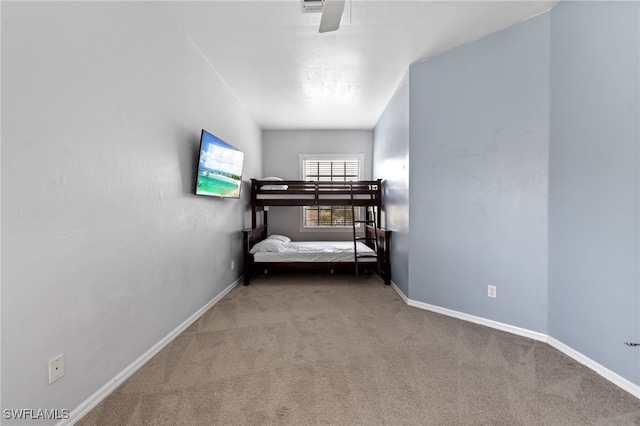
91, 402
472, 318
614, 378
400, 293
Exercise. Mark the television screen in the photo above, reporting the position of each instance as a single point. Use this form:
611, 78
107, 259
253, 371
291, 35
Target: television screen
219, 168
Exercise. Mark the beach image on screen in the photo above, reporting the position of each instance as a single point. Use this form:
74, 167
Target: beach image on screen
220, 168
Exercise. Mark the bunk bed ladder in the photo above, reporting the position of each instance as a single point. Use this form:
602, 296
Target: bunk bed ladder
370, 219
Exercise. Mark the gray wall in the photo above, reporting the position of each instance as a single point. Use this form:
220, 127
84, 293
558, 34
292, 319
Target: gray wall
391, 161
280, 159
478, 177
105, 249
594, 282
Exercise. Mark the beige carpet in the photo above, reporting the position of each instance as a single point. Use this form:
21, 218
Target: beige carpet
306, 349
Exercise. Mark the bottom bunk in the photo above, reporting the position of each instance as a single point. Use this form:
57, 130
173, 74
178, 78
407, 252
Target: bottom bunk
279, 253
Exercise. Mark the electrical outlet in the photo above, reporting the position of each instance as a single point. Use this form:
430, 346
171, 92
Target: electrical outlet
56, 368
233, 265
491, 291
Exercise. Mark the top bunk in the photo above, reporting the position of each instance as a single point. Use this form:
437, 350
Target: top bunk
315, 193
265, 193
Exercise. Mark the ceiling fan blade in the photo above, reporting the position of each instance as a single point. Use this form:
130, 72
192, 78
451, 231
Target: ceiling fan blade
331, 15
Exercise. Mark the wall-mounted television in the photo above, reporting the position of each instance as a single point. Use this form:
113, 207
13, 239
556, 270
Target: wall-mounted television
219, 168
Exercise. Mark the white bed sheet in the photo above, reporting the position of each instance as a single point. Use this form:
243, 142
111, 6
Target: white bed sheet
316, 251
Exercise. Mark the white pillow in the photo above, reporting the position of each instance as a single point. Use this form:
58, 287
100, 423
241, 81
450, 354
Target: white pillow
278, 237
271, 178
268, 245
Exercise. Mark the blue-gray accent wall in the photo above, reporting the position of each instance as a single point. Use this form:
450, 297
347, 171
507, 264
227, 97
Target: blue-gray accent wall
594, 291
478, 177
524, 173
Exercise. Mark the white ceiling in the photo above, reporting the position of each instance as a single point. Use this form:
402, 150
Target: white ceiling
289, 76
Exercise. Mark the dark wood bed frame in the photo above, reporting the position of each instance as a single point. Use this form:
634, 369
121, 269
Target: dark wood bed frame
309, 193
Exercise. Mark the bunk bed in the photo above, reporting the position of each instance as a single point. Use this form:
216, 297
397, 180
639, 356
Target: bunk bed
369, 248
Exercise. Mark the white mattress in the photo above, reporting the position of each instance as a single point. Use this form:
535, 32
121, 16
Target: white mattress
316, 251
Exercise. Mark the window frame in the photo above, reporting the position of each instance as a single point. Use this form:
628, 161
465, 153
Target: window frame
333, 158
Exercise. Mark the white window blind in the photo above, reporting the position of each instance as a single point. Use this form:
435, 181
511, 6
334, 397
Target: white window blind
330, 169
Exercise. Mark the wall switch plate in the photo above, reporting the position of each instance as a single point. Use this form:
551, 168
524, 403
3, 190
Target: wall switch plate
233, 264
56, 368
491, 291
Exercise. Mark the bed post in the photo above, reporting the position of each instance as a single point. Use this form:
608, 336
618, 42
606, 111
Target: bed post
379, 203
248, 267
250, 237
384, 236
253, 203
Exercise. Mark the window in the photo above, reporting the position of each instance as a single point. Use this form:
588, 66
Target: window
329, 168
